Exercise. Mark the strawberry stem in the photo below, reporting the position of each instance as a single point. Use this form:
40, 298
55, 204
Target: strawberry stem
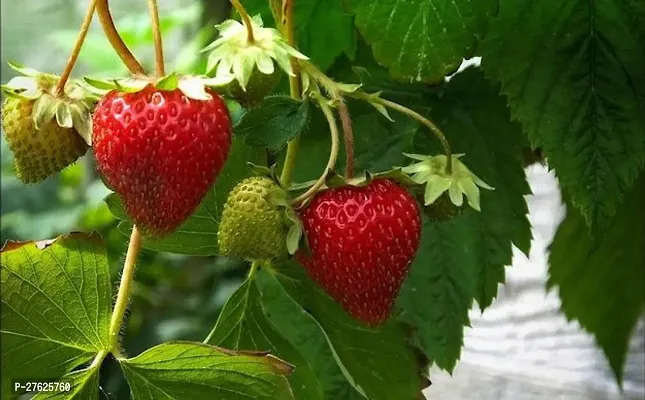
246, 19
112, 34
76, 50
425, 121
333, 153
348, 135
125, 286
294, 88
160, 69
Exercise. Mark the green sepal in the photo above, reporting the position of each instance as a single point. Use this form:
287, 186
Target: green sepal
373, 100
192, 86
431, 172
280, 198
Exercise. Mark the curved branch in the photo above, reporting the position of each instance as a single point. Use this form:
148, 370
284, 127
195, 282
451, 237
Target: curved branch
103, 11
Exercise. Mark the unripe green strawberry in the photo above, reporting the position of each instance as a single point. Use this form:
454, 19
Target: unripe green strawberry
252, 227
38, 153
258, 87
442, 209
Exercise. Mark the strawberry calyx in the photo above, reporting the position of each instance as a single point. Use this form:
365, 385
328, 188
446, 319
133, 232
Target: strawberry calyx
431, 171
71, 109
279, 197
233, 57
193, 86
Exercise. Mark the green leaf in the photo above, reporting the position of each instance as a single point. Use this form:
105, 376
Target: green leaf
84, 385
377, 362
464, 258
422, 40
186, 370
323, 30
307, 336
242, 325
274, 122
602, 284
573, 74
198, 234
476, 121
56, 301
438, 292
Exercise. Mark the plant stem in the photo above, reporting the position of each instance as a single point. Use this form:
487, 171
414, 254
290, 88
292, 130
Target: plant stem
333, 152
246, 19
98, 359
160, 69
125, 287
80, 39
103, 11
425, 121
348, 135
295, 91
254, 268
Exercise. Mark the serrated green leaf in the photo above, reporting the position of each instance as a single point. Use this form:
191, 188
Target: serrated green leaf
438, 293
464, 258
198, 234
377, 362
274, 122
422, 40
84, 385
304, 332
56, 303
476, 122
186, 370
573, 74
242, 325
602, 284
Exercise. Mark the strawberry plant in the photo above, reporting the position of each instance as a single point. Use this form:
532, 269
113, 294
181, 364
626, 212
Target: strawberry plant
372, 189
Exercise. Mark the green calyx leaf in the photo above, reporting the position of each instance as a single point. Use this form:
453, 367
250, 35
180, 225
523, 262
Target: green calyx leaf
232, 57
431, 171
279, 197
191, 85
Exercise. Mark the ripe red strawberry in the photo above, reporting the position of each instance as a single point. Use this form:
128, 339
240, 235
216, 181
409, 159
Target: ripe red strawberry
160, 151
362, 242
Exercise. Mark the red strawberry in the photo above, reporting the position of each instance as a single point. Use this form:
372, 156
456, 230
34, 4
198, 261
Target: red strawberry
362, 241
161, 152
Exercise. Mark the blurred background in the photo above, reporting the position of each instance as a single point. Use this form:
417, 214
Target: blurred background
522, 348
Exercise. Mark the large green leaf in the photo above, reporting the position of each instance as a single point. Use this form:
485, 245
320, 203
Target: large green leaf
243, 325
573, 74
422, 40
466, 257
437, 294
377, 362
186, 370
323, 30
198, 234
83, 385
275, 121
602, 284
305, 333
56, 302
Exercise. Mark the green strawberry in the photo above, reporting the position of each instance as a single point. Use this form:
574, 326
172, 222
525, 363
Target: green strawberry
46, 132
258, 87
253, 227
38, 153
442, 209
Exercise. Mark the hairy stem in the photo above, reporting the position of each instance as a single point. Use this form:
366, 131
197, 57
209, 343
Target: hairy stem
425, 121
348, 135
80, 39
294, 88
103, 11
125, 287
160, 69
333, 152
246, 19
